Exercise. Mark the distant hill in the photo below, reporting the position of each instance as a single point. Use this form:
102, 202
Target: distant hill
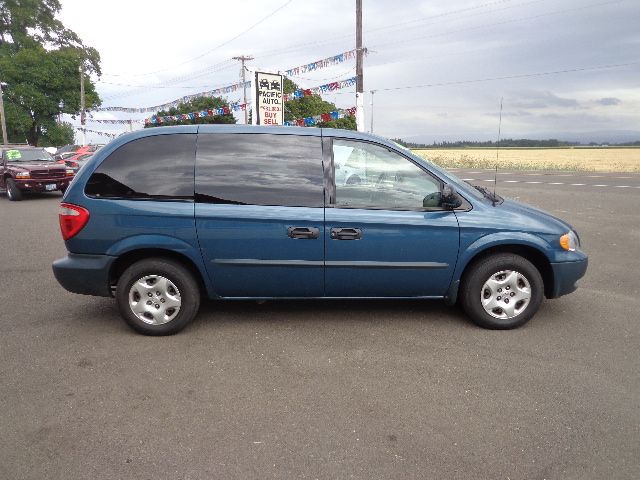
508, 142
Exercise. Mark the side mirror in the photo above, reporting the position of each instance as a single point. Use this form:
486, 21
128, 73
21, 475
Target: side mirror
450, 198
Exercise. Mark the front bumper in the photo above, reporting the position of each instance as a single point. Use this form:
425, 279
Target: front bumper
566, 275
84, 274
40, 185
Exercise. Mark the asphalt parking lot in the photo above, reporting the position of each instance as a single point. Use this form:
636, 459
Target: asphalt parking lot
348, 389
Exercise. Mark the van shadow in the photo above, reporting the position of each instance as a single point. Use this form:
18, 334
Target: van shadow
217, 313
310, 311
36, 196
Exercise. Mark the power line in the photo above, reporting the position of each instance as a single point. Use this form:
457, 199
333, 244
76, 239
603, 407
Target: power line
452, 12
341, 74
303, 46
513, 20
215, 68
338, 39
509, 77
214, 48
149, 86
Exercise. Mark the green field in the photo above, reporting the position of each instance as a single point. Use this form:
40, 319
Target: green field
597, 159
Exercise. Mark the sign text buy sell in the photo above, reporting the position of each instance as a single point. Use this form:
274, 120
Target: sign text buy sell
269, 99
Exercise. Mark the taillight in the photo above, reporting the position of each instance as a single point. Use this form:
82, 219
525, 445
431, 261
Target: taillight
72, 219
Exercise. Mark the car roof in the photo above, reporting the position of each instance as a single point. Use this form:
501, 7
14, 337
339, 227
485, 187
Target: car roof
19, 146
275, 130
4, 148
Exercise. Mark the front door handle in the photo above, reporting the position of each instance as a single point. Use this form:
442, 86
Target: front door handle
303, 232
346, 233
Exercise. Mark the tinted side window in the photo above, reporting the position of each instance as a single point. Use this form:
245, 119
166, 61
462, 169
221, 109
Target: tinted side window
259, 169
160, 167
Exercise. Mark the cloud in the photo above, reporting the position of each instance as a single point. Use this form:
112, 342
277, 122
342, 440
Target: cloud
543, 100
609, 101
461, 57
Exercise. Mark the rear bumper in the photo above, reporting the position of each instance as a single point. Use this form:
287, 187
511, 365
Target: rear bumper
84, 274
566, 274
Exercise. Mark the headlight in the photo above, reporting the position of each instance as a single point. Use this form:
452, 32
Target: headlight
69, 172
23, 175
569, 241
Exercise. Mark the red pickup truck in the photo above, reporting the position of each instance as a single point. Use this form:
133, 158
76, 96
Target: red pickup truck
31, 169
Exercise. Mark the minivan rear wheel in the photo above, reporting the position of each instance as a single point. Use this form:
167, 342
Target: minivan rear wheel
157, 296
502, 291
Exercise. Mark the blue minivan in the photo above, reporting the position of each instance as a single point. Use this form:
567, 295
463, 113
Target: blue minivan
160, 217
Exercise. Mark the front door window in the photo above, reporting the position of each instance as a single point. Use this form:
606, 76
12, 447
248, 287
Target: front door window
372, 177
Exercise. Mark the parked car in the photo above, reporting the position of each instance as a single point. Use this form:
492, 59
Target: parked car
69, 151
160, 216
65, 149
82, 159
75, 161
30, 169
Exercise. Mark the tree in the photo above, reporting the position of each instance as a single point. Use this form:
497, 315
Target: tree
313, 105
196, 105
56, 134
28, 22
39, 62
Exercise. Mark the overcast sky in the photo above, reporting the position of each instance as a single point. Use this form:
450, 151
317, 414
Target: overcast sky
156, 51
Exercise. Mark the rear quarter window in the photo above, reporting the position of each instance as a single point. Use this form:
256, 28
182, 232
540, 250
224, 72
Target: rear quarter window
158, 167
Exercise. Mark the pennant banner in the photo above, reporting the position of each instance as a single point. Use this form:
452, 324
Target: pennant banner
104, 134
114, 122
309, 67
327, 87
324, 117
210, 93
325, 62
193, 115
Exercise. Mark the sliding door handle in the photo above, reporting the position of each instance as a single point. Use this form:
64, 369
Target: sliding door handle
303, 232
346, 233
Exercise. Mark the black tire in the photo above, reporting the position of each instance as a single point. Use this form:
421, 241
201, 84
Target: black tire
517, 310
179, 278
13, 192
63, 189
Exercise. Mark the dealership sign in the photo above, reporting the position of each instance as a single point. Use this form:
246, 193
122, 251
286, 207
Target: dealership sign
268, 99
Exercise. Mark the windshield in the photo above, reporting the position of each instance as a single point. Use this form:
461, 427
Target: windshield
27, 155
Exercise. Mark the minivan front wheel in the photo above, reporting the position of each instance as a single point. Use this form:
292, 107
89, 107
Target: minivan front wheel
502, 291
157, 296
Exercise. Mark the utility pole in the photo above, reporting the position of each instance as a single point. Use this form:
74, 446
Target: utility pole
359, 79
242, 59
372, 92
5, 140
82, 106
